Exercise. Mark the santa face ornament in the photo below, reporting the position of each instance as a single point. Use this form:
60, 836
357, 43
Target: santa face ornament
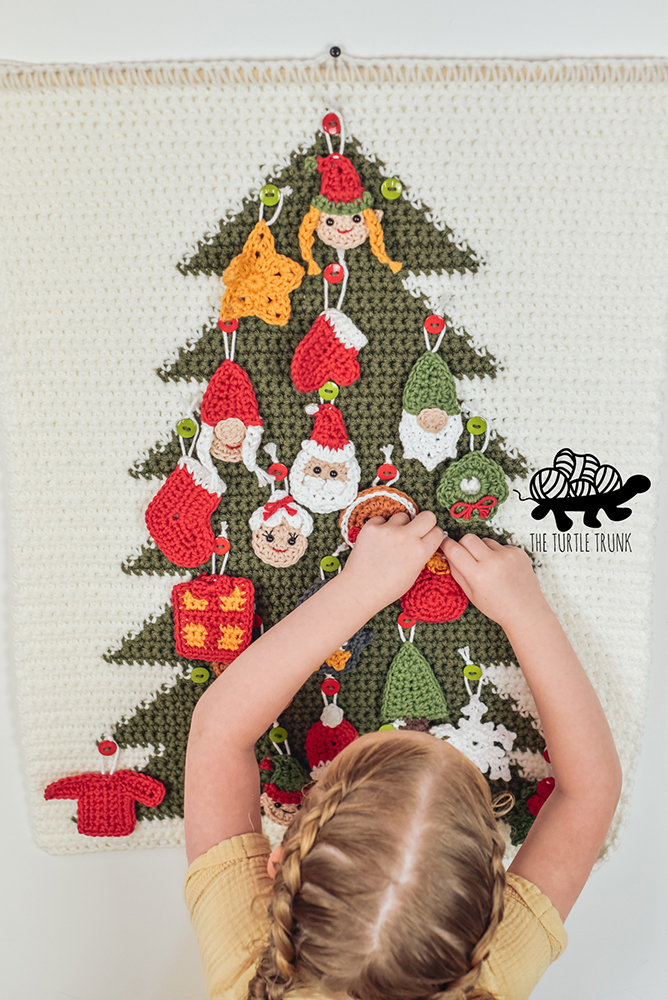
325, 474
280, 530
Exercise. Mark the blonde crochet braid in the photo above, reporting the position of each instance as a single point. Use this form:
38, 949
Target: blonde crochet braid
391, 882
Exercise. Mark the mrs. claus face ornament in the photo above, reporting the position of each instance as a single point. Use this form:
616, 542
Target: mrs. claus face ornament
325, 474
280, 530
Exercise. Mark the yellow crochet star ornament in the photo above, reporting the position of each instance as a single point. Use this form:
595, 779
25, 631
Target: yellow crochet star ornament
258, 281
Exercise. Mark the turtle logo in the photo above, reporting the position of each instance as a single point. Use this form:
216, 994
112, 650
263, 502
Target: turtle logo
581, 483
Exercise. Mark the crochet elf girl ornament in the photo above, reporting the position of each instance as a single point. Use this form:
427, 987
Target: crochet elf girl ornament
341, 215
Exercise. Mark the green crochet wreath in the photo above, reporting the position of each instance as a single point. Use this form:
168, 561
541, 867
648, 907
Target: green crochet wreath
457, 486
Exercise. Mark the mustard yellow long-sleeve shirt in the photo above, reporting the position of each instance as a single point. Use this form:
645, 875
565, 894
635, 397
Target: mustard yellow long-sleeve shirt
227, 889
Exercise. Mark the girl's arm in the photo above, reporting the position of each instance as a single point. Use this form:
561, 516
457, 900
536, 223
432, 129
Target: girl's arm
222, 785
565, 839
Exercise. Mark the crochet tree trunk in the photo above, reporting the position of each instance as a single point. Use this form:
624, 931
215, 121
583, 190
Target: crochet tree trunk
391, 319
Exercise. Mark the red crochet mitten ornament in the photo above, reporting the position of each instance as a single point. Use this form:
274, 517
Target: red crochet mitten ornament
107, 801
328, 737
178, 517
328, 352
435, 596
213, 618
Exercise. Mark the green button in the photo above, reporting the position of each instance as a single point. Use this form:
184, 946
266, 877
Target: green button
476, 425
473, 672
330, 390
199, 675
330, 563
384, 728
278, 735
391, 188
270, 195
186, 428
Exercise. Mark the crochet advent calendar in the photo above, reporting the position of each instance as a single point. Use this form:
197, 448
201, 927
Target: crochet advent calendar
344, 290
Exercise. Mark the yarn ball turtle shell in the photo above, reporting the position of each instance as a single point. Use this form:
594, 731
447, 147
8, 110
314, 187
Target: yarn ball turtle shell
383, 501
458, 482
435, 596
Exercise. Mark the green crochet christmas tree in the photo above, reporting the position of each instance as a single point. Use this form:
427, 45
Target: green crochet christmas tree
391, 318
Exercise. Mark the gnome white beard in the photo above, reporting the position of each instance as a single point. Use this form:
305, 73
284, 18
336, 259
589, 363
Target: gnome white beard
323, 495
428, 448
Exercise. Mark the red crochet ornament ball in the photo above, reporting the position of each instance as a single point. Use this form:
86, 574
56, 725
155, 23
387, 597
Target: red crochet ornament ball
435, 596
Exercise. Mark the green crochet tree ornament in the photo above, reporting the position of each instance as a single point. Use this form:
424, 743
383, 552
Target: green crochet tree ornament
411, 689
472, 487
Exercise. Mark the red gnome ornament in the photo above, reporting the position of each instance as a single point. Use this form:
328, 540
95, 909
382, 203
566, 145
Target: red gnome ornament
435, 596
231, 423
328, 737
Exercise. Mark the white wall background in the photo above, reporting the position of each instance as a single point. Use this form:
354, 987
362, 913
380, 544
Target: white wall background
113, 926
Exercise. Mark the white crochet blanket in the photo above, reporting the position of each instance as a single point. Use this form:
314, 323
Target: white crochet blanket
109, 175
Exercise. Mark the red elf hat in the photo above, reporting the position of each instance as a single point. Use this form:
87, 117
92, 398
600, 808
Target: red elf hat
341, 191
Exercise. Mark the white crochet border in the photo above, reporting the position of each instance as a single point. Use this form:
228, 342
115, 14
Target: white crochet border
344, 69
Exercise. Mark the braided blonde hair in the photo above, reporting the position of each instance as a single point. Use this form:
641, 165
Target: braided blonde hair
391, 882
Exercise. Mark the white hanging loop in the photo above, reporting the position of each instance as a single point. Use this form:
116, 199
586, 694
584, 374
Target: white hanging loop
411, 634
488, 431
283, 193
341, 254
223, 532
434, 349
387, 452
230, 354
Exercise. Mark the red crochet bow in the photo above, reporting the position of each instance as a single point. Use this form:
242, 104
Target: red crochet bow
484, 507
272, 506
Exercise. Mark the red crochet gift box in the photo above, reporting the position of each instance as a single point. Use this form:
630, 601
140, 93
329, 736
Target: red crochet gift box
213, 617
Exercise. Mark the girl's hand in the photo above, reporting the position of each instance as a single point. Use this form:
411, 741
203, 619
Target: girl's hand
498, 579
388, 556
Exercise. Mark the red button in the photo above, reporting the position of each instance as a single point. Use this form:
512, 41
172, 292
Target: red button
334, 273
228, 325
434, 324
257, 621
331, 123
546, 755
222, 546
386, 472
330, 686
107, 748
278, 471
406, 621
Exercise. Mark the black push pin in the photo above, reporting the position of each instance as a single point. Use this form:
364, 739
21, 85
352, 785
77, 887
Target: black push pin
335, 51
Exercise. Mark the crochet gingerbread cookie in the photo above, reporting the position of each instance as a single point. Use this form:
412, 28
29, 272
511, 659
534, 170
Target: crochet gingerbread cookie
383, 501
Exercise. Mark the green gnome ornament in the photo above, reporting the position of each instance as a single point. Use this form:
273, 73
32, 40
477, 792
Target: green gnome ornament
431, 422
412, 697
